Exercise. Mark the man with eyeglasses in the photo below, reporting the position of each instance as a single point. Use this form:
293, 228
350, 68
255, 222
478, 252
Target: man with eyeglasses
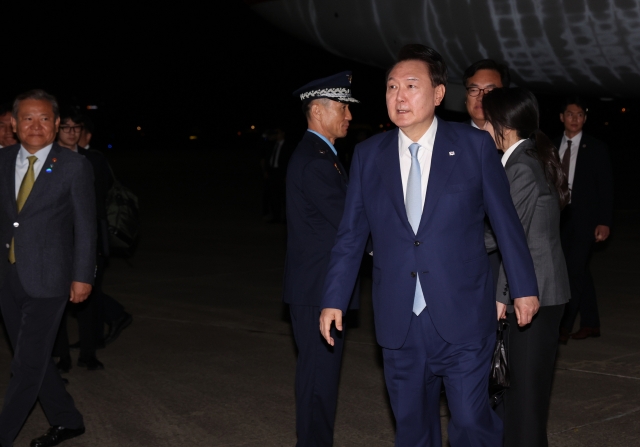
479, 79
90, 322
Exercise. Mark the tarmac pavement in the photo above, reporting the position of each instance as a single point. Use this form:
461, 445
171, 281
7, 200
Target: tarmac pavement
209, 359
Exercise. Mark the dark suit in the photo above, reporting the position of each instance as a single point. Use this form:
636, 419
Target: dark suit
276, 165
90, 313
55, 244
316, 190
453, 338
532, 349
591, 205
494, 255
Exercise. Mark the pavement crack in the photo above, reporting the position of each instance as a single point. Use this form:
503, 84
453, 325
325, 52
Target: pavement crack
598, 373
618, 416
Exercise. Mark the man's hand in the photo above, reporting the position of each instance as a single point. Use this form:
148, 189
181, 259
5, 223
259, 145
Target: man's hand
526, 307
501, 309
328, 316
79, 291
602, 233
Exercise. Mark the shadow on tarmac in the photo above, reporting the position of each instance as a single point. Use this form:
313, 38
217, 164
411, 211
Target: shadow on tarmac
209, 358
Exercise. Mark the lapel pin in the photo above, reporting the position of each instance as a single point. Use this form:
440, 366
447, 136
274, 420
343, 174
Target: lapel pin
48, 170
452, 153
54, 159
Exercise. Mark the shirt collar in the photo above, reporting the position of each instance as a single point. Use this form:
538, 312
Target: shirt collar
507, 154
42, 154
473, 124
325, 140
426, 141
573, 139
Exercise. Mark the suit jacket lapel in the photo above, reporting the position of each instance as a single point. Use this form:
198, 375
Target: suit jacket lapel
442, 163
44, 178
388, 162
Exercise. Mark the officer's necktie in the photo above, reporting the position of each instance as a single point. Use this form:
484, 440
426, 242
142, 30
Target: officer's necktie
25, 189
566, 162
413, 204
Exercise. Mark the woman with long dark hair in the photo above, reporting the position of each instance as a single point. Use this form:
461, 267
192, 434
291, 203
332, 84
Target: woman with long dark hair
539, 193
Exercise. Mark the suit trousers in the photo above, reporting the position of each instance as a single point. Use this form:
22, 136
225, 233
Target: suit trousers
317, 377
532, 358
414, 374
32, 324
577, 244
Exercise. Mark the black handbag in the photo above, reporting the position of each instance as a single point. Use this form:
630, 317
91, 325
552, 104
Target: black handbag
499, 377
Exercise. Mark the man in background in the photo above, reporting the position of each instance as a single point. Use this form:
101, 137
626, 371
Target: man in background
7, 137
90, 324
316, 190
478, 79
587, 219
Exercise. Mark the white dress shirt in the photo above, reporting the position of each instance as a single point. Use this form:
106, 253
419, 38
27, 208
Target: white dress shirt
508, 152
575, 145
22, 164
425, 151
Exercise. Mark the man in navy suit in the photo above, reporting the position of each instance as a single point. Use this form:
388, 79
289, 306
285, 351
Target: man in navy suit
48, 229
316, 191
435, 311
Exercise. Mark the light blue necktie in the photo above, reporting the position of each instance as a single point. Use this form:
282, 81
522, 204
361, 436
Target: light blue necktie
413, 204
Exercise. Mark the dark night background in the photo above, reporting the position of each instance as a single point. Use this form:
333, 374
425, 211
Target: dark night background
212, 70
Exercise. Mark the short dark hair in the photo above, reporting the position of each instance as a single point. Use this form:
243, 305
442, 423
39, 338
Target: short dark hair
5, 108
38, 95
71, 113
488, 64
574, 99
419, 52
307, 103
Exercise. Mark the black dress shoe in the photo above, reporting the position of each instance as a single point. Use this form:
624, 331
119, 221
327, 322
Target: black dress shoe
55, 435
91, 363
64, 364
117, 327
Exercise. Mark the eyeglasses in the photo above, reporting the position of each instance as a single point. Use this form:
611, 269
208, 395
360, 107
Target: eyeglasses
69, 129
475, 91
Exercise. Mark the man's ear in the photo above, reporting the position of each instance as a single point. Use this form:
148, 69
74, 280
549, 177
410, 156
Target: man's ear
562, 117
14, 124
440, 91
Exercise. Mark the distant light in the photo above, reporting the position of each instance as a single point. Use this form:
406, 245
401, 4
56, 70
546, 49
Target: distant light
239, 133
92, 107
109, 146
607, 99
139, 128
253, 127
606, 123
624, 110
193, 137
388, 124
381, 126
